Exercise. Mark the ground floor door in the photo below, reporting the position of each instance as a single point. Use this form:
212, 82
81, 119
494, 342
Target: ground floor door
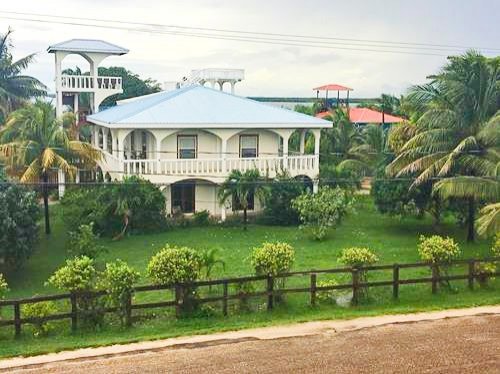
183, 197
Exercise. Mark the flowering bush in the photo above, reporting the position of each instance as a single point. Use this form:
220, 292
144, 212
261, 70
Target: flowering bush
83, 242
440, 252
322, 210
326, 296
118, 280
357, 257
174, 265
436, 249
40, 310
272, 258
484, 270
79, 274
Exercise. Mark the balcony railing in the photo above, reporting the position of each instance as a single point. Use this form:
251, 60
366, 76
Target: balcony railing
219, 167
86, 83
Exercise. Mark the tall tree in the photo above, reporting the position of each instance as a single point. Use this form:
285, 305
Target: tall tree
457, 140
34, 143
15, 88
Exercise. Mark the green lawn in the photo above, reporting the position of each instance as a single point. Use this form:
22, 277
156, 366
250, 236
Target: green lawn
393, 239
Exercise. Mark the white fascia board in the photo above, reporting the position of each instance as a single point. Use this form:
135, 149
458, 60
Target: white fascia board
212, 125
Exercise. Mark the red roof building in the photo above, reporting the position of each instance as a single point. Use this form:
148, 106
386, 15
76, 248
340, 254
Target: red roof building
366, 115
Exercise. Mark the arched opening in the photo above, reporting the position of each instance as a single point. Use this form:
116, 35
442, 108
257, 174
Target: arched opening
109, 145
72, 66
301, 142
305, 181
189, 144
100, 139
140, 145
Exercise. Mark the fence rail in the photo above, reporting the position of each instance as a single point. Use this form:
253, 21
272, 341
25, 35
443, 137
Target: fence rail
270, 291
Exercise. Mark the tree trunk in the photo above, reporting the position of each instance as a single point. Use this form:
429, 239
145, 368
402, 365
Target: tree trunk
244, 218
470, 220
45, 192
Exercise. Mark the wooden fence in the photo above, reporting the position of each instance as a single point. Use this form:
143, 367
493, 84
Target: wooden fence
270, 290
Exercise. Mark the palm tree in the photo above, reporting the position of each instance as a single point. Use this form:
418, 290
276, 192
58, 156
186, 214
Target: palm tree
34, 143
241, 187
458, 134
15, 88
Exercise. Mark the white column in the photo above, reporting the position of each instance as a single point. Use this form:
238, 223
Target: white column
105, 139
302, 141
158, 154
317, 135
59, 105
75, 107
232, 87
224, 154
121, 144
315, 186
285, 151
61, 179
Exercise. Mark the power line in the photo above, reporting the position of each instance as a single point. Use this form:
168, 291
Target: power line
251, 33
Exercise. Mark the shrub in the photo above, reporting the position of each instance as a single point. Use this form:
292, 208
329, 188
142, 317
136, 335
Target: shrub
201, 218
79, 276
84, 242
495, 249
19, 213
326, 296
440, 252
40, 310
484, 270
4, 287
322, 210
118, 281
357, 257
278, 208
177, 265
273, 259
133, 206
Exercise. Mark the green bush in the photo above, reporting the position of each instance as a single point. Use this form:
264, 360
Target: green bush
357, 257
278, 208
484, 270
175, 265
84, 242
19, 213
40, 310
440, 252
118, 281
4, 287
79, 276
322, 210
201, 218
133, 206
272, 258
326, 296
495, 249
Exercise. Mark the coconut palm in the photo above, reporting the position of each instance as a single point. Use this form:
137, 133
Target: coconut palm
33, 144
15, 88
458, 134
240, 186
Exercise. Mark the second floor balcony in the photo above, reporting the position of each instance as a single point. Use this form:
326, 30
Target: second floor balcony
89, 83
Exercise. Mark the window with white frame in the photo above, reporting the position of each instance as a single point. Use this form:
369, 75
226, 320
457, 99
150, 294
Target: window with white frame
186, 146
249, 146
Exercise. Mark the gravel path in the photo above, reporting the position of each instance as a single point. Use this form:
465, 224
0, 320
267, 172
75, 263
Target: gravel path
455, 345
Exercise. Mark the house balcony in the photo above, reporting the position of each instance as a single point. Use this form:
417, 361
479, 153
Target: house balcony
89, 83
158, 170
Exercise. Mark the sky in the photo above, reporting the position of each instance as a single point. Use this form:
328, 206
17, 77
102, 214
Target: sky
270, 70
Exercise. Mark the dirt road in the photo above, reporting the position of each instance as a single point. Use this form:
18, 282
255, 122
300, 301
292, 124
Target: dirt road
456, 345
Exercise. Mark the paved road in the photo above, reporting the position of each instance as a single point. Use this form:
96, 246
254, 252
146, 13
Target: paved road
457, 345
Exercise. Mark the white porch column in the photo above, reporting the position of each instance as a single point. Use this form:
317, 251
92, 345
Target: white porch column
59, 105
75, 107
105, 139
317, 138
61, 180
158, 154
315, 186
224, 156
285, 151
302, 141
232, 87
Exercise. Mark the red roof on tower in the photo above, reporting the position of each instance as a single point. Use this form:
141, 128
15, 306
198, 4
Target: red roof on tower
332, 87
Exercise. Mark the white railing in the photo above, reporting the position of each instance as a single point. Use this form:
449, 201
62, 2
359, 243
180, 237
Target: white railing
219, 167
86, 82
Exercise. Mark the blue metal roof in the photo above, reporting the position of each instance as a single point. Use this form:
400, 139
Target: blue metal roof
200, 105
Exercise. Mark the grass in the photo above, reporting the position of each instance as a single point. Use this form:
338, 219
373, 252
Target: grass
393, 239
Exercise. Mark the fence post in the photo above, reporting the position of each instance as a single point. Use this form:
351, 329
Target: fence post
471, 274
128, 310
224, 301
17, 318
355, 286
74, 312
313, 289
434, 270
395, 280
178, 300
270, 293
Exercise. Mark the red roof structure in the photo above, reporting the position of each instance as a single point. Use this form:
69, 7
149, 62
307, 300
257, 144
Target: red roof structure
332, 87
366, 115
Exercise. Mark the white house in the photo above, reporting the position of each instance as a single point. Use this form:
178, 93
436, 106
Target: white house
190, 139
